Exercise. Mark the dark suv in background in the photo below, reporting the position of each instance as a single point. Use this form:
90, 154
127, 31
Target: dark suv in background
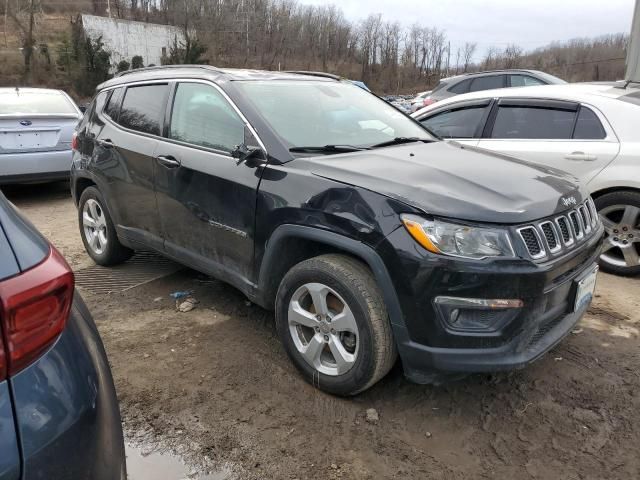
489, 80
367, 235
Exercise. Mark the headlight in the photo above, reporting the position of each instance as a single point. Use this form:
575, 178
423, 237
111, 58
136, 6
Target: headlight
447, 238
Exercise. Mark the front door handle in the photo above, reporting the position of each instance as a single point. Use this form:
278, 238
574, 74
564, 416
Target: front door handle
168, 161
107, 143
580, 156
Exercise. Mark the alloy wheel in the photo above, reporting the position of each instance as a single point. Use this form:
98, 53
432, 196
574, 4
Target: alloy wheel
323, 329
94, 225
622, 243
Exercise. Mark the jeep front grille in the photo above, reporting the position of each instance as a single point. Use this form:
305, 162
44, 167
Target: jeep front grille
558, 235
532, 242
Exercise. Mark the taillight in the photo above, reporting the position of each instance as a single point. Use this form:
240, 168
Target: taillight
34, 308
428, 101
74, 141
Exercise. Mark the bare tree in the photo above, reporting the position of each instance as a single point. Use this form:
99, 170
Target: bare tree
490, 58
467, 53
511, 56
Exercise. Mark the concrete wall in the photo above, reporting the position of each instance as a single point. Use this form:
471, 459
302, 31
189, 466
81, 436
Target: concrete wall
633, 52
126, 38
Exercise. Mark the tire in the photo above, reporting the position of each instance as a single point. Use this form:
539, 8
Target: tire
620, 213
103, 245
356, 324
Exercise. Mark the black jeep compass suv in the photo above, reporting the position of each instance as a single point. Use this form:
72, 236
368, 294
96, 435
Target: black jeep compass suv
367, 235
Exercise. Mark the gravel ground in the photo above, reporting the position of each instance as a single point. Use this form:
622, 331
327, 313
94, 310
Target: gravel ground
214, 386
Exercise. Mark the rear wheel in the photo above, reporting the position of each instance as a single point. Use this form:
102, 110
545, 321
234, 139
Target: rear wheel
333, 324
620, 214
97, 230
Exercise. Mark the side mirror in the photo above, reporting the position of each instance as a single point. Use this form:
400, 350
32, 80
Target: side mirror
82, 108
251, 156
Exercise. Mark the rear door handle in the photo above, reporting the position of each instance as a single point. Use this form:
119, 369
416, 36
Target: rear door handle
168, 161
581, 156
107, 143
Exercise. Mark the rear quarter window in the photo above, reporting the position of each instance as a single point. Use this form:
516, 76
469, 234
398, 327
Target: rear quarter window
588, 126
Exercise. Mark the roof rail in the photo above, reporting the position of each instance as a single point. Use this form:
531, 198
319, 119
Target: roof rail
497, 70
314, 74
162, 67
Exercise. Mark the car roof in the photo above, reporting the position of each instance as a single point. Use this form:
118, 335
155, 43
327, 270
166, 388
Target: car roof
576, 92
490, 72
212, 73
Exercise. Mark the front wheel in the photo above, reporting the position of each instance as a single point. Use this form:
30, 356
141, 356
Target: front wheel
97, 230
333, 324
620, 214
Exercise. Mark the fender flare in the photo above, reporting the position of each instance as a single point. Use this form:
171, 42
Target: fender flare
364, 252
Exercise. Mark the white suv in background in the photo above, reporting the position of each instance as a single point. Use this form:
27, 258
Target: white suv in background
589, 130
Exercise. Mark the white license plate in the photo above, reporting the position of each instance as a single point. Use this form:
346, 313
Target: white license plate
28, 139
584, 292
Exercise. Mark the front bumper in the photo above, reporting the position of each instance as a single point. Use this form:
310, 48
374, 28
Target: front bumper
429, 347
66, 408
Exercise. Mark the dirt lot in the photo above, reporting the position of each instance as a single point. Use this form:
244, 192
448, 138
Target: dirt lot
214, 385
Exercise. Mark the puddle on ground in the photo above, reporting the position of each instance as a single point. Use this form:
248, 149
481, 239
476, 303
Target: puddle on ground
156, 465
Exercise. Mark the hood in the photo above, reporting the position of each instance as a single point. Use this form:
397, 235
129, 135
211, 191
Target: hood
451, 180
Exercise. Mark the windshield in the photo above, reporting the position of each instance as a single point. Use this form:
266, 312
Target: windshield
317, 113
43, 103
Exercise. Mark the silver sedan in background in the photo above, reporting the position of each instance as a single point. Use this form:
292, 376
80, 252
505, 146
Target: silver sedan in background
36, 130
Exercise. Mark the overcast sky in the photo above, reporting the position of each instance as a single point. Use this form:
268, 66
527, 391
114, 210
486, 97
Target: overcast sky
530, 24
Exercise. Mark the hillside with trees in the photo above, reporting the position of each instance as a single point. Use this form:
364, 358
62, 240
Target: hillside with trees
41, 44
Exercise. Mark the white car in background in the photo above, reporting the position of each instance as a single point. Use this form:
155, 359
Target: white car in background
589, 130
36, 130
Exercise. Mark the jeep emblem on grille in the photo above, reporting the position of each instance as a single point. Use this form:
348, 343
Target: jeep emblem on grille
25, 123
569, 201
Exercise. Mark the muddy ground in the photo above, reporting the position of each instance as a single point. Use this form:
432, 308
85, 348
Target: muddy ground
215, 386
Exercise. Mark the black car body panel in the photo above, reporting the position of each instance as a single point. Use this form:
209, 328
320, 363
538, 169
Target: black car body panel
248, 222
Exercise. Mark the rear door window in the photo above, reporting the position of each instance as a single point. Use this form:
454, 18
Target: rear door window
202, 116
533, 123
460, 87
113, 105
487, 83
588, 126
524, 81
459, 123
143, 108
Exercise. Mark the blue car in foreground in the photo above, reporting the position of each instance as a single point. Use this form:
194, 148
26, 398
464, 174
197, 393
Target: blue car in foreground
59, 416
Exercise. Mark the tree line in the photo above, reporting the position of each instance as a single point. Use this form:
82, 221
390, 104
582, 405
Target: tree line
286, 35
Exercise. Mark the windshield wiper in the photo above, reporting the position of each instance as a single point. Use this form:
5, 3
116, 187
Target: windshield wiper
400, 141
328, 149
